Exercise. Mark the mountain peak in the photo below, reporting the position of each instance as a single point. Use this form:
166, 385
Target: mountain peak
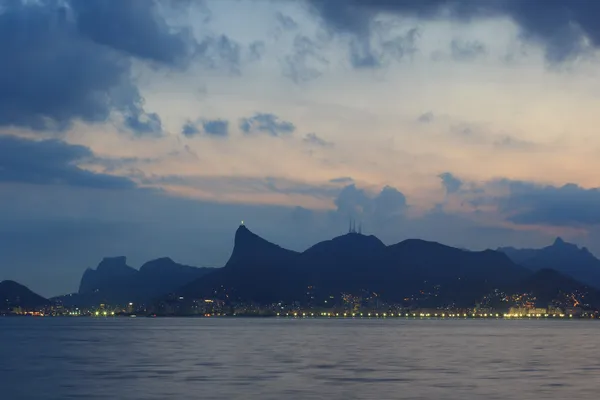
241, 230
560, 244
163, 263
15, 294
113, 262
10, 284
248, 245
245, 237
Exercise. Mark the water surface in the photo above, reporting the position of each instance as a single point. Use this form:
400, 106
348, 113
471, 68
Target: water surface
178, 358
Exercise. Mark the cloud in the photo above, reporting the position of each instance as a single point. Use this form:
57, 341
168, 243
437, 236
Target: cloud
530, 203
513, 143
72, 60
215, 127
221, 52
466, 50
562, 26
313, 139
51, 162
354, 202
342, 179
240, 185
65, 61
133, 27
451, 183
266, 123
366, 52
257, 50
306, 61
190, 129
534, 204
389, 202
286, 22
426, 118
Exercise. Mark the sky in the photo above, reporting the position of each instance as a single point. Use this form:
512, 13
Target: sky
152, 128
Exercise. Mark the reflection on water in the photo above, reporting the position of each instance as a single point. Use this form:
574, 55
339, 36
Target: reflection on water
297, 359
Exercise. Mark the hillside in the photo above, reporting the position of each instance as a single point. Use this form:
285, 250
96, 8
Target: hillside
13, 294
547, 285
567, 258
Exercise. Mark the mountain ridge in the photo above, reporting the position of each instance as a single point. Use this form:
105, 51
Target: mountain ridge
353, 262
115, 282
567, 258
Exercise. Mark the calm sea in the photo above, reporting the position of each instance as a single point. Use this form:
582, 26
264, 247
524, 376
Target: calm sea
80, 358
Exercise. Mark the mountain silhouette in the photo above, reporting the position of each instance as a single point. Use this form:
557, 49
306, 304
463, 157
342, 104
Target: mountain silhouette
13, 294
110, 270
263, 272
548, 284
258, 269
567, 258
115, 282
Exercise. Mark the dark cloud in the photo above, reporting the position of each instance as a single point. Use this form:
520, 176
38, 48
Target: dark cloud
71, 60
562, 26
266, 123
426, 117
315, 140
466, 50
451, 183
568, 205
190, 129
144, 123
389, 202
51, 162
216, 127
353, 201
133, 27
357, 203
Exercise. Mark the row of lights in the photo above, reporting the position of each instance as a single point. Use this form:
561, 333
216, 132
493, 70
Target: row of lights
104, 313
427, 315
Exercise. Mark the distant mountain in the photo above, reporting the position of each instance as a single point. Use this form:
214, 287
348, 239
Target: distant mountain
115, 282
561, 256
354, 263
548, 284
110, 272
13, 294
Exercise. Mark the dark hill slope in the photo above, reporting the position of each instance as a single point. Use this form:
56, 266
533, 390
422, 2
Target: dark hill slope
566, 258
257, 270
547, 285
13, 294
